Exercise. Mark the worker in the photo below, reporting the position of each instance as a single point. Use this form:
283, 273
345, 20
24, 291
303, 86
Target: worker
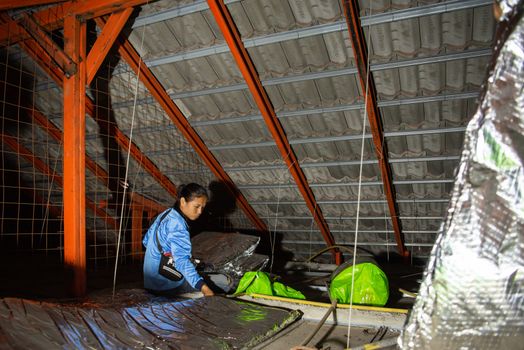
167, 240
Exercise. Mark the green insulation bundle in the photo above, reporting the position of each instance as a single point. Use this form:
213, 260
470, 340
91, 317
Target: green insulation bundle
257, 282
371, 285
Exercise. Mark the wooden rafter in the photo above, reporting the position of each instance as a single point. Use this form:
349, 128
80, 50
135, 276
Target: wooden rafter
232, 36
367, 84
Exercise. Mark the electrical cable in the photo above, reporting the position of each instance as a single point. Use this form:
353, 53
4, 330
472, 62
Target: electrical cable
125, 185
365, 117
343, 247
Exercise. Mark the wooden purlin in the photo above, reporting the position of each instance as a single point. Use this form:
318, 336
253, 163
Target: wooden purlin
232, 36
156, 89
367, 84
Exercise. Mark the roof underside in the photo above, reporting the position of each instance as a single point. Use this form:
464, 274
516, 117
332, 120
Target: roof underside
428, 63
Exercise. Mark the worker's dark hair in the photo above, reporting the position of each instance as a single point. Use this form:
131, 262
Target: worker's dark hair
190, 192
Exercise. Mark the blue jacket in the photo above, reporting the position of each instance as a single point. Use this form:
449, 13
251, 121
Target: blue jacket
174, 237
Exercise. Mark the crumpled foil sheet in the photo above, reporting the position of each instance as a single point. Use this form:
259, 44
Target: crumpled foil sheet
205, 323
472, 294
231, 254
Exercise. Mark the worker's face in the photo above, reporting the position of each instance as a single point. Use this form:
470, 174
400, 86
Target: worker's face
193, 209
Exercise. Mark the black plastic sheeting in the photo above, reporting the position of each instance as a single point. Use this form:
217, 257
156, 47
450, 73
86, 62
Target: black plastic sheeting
228, 253
204, 323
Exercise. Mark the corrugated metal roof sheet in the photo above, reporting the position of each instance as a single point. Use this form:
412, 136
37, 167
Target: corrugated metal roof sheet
303, 55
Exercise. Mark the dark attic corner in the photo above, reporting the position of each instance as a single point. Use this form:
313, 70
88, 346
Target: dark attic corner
261, 174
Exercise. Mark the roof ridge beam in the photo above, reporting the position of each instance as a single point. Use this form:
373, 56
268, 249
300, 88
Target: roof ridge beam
6, 5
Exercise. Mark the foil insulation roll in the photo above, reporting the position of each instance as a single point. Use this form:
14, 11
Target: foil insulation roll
472, 293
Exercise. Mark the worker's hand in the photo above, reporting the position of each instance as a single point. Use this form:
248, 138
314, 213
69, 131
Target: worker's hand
207, 291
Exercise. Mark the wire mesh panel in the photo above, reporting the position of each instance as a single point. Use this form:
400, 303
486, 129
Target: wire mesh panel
134, 154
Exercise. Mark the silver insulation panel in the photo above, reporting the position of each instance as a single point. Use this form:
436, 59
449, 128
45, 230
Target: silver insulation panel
472, 294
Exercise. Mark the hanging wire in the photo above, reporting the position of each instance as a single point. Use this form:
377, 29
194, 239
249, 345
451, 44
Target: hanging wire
359, 187
273, 235
125, 185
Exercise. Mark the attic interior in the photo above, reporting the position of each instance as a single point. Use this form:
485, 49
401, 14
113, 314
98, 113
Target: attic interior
332, 130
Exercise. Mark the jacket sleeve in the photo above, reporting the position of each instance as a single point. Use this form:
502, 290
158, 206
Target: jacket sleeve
180, 247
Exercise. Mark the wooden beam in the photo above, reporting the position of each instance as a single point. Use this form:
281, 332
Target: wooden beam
54, 51
35, 50
156, 89
232, 36
88, 9
137, 212
43, 59
52, 18
13, 4
74, 155
105, 41
360, 52
55, 178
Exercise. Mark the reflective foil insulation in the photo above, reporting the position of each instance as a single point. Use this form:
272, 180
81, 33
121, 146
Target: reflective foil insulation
472, 294
205, 323
228, 253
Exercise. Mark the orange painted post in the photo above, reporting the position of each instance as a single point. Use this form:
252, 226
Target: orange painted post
236, 46
74, 155
360, 53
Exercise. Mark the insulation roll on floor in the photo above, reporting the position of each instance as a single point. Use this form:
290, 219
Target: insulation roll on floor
204, 323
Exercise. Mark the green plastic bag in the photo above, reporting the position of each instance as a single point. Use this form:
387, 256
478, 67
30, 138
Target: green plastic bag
257, 282
371, 285
287, 292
